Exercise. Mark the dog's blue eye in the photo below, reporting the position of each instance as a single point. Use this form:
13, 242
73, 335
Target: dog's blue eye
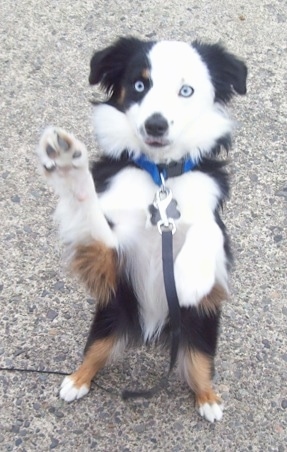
186, 91
139, 86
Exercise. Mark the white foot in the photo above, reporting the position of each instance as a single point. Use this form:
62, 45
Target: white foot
211, 412
69, 391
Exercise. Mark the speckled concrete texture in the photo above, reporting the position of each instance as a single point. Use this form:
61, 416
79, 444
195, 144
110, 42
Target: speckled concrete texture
45, 50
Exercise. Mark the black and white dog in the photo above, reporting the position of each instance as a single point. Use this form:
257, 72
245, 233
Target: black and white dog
164, 121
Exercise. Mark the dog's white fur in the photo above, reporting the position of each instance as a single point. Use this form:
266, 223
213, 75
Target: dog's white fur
194, 125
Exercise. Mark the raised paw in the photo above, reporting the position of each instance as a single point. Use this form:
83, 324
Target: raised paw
70, 391
211, 411
60, 150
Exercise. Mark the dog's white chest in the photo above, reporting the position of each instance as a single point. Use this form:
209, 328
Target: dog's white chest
197, 241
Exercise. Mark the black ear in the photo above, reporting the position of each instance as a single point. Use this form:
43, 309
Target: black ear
227, 72
107, 66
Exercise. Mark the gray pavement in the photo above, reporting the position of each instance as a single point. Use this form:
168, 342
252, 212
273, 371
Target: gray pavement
45, 49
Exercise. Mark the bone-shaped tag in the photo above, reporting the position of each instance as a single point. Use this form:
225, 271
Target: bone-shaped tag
171, 212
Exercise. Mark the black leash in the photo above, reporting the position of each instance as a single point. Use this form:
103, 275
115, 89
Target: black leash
166, 228
171, 295
35, 371
53, 372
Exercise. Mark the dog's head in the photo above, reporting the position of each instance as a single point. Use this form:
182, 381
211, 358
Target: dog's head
165, 99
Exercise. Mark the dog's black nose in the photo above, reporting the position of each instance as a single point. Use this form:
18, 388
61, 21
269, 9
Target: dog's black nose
156, 125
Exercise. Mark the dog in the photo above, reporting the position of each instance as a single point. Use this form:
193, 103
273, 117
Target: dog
163, 124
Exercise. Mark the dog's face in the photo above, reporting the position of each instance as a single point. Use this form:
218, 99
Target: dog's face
166, 98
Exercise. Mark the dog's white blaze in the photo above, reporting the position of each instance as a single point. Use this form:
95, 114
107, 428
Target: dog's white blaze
195, 123
174, 64
178, 63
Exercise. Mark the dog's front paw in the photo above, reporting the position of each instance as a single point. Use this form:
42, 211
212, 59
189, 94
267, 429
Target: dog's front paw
194, 279
70, 390
64, 160
59, 150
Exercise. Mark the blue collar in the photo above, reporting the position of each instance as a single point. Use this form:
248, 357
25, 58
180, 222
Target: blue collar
167, 170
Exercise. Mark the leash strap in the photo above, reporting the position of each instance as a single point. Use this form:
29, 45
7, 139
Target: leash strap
166, 228
171, 294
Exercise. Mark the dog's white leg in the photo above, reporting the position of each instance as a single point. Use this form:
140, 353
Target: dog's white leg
200, 263
65, 165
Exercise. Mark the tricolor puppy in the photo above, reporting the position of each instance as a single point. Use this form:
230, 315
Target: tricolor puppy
164, 121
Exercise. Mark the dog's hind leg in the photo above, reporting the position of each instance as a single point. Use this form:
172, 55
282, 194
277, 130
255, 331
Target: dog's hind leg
197, 351
115, 325
78, 384
197, 369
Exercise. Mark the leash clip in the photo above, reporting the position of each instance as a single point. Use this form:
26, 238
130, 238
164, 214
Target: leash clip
163, 199
163, 228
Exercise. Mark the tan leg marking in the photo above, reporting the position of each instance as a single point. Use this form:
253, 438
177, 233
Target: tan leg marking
95, 358
212, 302
197, 371
97, 266
78, 384
146, 74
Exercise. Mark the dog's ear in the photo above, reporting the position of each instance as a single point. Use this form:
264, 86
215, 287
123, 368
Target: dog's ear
107, 66
228, 73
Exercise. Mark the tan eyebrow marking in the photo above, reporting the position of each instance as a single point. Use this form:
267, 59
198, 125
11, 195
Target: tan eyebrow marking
145, 73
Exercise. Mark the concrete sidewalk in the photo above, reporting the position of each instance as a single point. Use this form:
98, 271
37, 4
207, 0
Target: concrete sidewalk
45, 49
